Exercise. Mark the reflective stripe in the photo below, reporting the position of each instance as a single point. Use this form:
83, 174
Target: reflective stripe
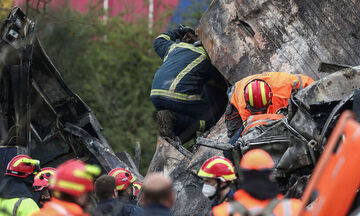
199, 50
301, 82
202, 173
251, 95
81, 174
175, 95
60, 209
202, 126
263, 95
166, 37
287, 207
185, 71
71, 185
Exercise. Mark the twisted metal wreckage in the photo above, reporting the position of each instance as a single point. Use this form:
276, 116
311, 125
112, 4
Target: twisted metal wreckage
317, 38
40, 116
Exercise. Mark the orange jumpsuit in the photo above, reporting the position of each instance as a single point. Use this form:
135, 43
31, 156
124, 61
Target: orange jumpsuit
282, 85
60, 208
286, 207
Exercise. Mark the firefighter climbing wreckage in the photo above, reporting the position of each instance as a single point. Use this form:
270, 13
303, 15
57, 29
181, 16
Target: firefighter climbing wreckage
280, 134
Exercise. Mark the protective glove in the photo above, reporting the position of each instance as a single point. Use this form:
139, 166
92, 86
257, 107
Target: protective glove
185, 29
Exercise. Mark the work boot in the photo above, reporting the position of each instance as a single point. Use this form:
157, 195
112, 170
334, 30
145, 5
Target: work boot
166, 122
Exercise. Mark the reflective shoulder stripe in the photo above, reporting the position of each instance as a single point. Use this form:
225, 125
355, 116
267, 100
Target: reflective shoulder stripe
236, 207
16, 206
269, 209
60, 209
199, 50
175, 95
301, 82
172, 47
286, 204
166, 37
185, 71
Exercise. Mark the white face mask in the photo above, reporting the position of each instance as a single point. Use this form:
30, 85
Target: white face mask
208, 190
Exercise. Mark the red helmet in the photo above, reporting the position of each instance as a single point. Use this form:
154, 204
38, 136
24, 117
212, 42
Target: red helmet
21, 166
137, 186
123, 178
41, 179
257, 96
256, 159
74, 177
218, 167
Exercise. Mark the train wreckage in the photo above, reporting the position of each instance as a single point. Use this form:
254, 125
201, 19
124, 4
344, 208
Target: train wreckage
39, 113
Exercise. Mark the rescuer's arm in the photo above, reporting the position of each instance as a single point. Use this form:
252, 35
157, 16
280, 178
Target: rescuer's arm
163, 42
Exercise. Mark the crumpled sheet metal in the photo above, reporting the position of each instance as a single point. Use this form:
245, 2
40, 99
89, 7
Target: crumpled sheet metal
246, 37
333, 87
62, 125
187, 185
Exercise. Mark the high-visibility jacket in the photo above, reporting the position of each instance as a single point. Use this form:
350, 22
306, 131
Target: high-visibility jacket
185, 69
282, 85
261, 119
286, 207
23, 207
58, 207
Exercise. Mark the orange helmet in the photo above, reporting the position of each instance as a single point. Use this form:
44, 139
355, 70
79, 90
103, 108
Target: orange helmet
218, 167
74, 177
257, 96
123, 178
41, 179
137, 186
21, 166
256, 159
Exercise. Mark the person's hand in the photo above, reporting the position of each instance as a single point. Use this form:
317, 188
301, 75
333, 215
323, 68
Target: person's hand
185, 29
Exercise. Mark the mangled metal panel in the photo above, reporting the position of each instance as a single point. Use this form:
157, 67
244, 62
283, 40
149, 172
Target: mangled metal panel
246, 37
59, 125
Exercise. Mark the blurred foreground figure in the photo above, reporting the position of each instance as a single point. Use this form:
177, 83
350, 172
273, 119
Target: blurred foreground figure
41, 185
16, 189
178, 86
158, 195
217, 174
126, 191
259, 194
70, 187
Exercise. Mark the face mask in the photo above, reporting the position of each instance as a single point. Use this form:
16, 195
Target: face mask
208, 190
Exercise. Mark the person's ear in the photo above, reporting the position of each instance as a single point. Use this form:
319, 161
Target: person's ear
115, 195
172, 199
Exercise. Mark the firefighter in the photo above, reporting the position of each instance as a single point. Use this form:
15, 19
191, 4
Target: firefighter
16, 188
177, 88
259, 193
126, 192
217, 173
70, 188
41, 185
266, 93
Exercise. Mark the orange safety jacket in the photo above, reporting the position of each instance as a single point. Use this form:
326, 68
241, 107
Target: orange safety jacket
286, 207
261, 119
282, 84
60, 208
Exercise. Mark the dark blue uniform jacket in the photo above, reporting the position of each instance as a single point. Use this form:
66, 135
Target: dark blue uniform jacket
186, 68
